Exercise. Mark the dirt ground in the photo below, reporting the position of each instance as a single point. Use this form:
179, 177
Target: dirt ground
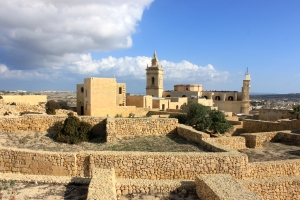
42, 141
42, 191
172, 196
271, 151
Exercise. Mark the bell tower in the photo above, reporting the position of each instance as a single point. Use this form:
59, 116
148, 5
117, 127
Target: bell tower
154, 78
246, 94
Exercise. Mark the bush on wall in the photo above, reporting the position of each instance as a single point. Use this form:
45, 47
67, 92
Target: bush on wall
74, 131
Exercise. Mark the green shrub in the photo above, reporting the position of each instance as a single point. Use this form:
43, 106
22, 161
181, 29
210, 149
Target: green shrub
219, 124
74, 131
131, 115
182, 118
198, 116
118, 116
51, 111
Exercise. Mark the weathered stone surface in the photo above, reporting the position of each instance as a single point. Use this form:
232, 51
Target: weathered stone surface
220, 186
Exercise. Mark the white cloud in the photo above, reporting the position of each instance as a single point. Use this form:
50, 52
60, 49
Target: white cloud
125, 67
6, 73
183, 72
43, 33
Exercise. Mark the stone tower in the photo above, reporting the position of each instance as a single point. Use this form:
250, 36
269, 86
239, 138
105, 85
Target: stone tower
154, 78
245, 94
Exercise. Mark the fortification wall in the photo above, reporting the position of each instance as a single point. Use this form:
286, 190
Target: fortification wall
254, 140
213, 144
19, 108
254, 126
274, 115
26, 99
156, 165
259, 170
146, 165
275, 188
42, 123
37, 162
118, 127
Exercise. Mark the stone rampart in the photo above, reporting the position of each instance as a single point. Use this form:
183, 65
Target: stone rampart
255, 126
236, 142
27, 99
38, 163
145, 165
213, 144
156, 165
43, 123
258, 170
254, 140
102, 185
17, 109
119, 127
146, 186
220, 186
275, 188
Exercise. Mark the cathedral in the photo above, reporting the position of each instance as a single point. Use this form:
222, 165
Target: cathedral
228, 101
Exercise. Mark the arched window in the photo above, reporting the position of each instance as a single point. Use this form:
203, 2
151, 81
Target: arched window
217, 98
153, 80
230, 98
205, 97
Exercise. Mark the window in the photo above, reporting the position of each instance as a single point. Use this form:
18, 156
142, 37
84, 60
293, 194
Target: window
230, 98
187, 88
205, 97
217, 98
168, 96
153, 80
82, 89
183, 95
120, 90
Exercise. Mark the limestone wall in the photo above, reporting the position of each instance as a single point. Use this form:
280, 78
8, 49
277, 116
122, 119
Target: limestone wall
220, 186
274, 115
146, 165
213, 144
146, 186
236, 142
157, 165
38, 163
26, 99
258, 170
275, 188
42, 123
118, 127
254, 126
19, 108
254, 140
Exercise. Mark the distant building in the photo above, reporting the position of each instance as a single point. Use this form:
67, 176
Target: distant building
229, 101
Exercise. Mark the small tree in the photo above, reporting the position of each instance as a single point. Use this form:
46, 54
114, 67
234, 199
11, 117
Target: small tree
219, 124
182, 118
74, 131
296, 111
50, 107
197, 115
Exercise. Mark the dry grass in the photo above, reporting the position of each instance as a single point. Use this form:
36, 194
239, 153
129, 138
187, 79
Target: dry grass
40, 141
272, 151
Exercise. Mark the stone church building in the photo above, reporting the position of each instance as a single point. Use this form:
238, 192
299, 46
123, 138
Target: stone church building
104, 96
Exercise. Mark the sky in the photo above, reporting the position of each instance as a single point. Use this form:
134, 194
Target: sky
55, 44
